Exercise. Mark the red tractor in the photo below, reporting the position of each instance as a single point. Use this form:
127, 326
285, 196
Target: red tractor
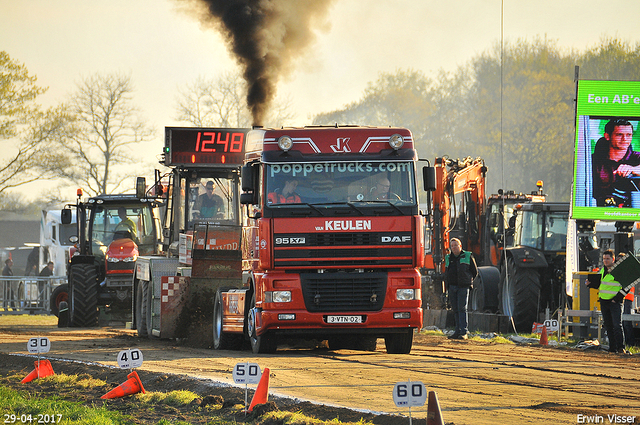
113, 230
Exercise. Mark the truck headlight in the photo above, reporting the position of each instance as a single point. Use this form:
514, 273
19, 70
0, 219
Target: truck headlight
285, 143
277, 297
396, 141
405, 294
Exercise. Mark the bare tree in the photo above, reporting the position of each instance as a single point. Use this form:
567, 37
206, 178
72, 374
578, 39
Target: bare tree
221, 102
106, 126
27, 132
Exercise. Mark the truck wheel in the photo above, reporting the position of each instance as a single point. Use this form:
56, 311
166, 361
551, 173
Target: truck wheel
83, 294
519, 295
223, 340
399, 343
484, 296
366, 343
141, 308
60, 294
337, 343
353, 342
264, 343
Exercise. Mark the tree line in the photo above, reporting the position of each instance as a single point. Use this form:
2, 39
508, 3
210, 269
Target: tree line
518, 117
512, 105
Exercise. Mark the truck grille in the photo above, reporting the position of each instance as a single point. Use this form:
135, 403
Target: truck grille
343, 292
357, 249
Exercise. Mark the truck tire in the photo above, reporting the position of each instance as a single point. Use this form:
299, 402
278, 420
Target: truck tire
83, 311
366, 343
60, 294
223, 340
260, 344
484, 295
353, 342
519, 295
337, 343
399, 343
142, 309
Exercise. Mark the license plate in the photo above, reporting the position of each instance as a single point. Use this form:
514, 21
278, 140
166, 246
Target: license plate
344, 319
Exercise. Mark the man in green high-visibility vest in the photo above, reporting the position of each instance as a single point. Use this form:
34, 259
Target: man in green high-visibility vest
460, 270
610, 303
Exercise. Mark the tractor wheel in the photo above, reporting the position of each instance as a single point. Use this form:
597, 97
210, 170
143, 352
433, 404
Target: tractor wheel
83, 294
519, 295
60, 294
223, 340
399, 343
484, 295
264, 343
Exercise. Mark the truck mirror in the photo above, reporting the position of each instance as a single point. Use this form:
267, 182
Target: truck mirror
65, 216
429, 178
246, 198
141, 187
247, 178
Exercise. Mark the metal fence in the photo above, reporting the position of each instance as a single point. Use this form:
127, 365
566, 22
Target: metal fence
28, 294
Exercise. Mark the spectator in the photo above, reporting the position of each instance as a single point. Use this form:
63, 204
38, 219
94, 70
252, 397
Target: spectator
627, 325
32, 262
46, 271
10, 287
460, 270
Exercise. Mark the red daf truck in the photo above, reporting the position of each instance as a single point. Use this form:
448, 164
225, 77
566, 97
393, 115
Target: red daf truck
332, 241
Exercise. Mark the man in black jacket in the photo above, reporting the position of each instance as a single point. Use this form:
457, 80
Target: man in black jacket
459, 274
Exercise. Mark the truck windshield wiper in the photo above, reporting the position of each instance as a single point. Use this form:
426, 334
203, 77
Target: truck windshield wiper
384, 201
350, 204
297, 204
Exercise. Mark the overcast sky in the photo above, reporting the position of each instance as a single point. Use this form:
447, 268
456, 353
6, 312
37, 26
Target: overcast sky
64, 41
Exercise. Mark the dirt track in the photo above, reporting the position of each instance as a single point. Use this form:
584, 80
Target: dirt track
476, 382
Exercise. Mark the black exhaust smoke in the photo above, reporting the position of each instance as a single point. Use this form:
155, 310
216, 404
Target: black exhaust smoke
265, 36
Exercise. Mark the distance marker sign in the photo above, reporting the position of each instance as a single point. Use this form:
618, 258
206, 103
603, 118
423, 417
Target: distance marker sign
38, 345
408, 394
246, 373
129, 359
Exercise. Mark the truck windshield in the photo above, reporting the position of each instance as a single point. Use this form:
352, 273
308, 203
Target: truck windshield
546, 231
340, 182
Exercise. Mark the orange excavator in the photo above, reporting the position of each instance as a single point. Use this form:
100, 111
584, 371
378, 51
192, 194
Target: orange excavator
461, 209
458, 206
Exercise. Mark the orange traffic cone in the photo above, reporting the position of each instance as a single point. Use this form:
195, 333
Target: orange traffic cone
544, 340
262, 392
42, 370
132, 386
434, 415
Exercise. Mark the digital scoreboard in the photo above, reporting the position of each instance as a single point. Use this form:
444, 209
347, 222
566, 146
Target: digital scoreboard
204, 146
